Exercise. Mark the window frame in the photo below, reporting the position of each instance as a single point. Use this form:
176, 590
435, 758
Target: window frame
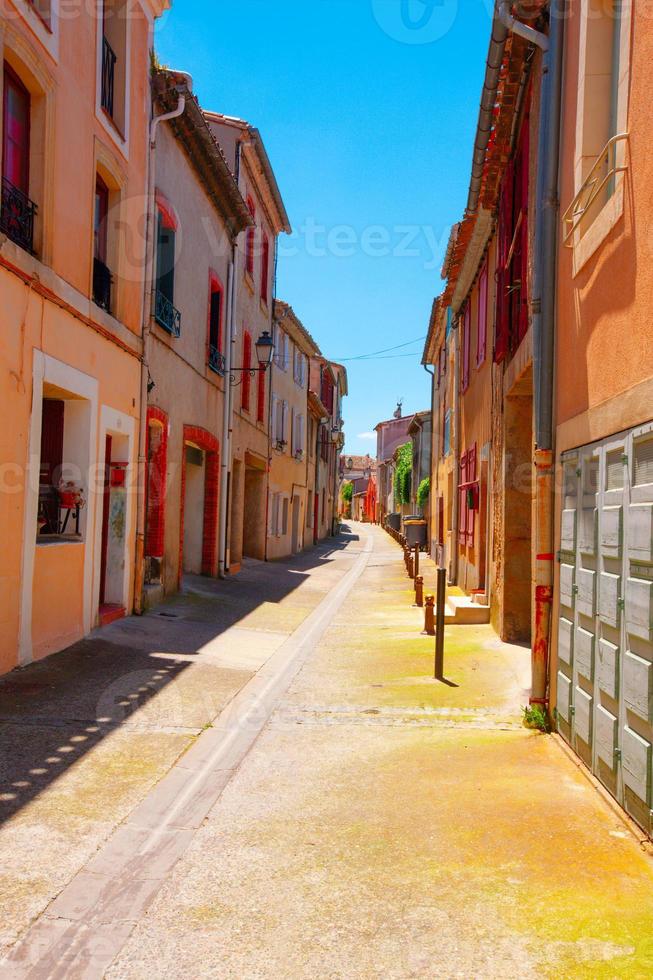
250, 239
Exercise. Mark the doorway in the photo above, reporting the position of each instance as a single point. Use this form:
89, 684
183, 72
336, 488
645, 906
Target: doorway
114, 529
195, 460
518, 512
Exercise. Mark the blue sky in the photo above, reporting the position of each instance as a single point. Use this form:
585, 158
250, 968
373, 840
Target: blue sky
368, 110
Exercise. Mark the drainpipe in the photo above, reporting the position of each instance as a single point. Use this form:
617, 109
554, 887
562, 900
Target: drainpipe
432, 521
225, 461
517, 27
456, 452
148, 293
544, 322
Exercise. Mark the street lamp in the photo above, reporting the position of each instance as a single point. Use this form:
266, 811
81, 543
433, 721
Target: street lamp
264, 354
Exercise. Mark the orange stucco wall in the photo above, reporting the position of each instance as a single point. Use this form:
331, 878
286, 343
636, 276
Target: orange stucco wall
604, 340
57, 605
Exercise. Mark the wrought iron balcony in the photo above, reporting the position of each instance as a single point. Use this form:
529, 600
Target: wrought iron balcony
216, 361
101, 285
109, 59
166, 315
17, 216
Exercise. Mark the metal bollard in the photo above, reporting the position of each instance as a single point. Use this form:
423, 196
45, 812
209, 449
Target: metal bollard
419, 591
429, 615
409, 566
439, 631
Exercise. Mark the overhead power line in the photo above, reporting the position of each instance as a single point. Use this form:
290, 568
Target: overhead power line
364, 357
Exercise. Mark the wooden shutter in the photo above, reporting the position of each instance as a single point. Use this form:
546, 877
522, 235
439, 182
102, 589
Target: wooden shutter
250, 240
265, 267
481, 340
51, 442
471, 478
462, 500
502, 337
260, 403
520, 269
467, 332
16, 131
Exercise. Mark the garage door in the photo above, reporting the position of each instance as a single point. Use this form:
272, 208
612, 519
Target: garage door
605, 638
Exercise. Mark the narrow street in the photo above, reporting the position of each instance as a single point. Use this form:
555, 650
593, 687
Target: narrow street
261, 779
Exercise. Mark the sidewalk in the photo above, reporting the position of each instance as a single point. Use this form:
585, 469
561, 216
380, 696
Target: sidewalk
86, 734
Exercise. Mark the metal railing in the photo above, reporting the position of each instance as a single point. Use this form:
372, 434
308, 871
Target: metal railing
601, 177
166, 315
17, 216
216, 360
109, 59
102, 285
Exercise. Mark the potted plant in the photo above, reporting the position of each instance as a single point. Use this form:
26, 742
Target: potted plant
71, 496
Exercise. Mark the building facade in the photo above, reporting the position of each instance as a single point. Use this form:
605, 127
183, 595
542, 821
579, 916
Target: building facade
389, 436
198, 214
290, 460
71, 280
245, 521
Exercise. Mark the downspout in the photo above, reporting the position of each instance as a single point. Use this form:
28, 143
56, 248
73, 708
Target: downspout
225, 461
432, 520
544, 323
517, 27
226, 490
148, 296
456, 453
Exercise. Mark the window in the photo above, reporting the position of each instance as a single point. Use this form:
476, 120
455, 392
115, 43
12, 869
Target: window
284, 516
481, 336
250, 240
260, 397
275, 524
467, 340
265, 267
247, 366
468, 498
215, 355
113, 92
166, 315
101, 273
512, 272
61, 494
17, 211
279, 422
282, 350
299, 368
298, 435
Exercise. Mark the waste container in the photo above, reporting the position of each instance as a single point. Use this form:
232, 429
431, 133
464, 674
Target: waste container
394, 521
415, 531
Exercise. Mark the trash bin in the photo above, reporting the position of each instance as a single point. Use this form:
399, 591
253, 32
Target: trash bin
415, 531
394, 521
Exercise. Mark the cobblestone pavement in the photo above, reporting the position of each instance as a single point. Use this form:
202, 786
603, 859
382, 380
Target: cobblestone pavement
270, 784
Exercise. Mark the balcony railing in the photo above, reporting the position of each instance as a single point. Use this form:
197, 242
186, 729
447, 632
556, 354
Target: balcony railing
109, 59
17, 216
101, 285
166, 315
600, 179
216, 360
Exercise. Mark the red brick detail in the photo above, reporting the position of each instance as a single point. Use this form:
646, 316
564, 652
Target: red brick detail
157, 473
208, 442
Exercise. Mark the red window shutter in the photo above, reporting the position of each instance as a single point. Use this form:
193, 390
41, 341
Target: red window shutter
471, 478
250, 240
482, 316
247, 362
265, 267
51, 442
462, 498
467, 330
15, 137
522, 270
100, 222
260, 403
502, 338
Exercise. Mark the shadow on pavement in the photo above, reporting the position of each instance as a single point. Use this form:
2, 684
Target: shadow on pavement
54, 712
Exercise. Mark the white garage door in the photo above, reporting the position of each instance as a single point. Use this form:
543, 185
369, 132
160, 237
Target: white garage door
605, 638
